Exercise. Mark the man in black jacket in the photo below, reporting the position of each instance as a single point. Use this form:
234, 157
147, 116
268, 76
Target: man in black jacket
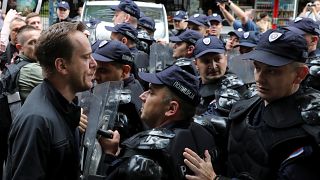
43, 140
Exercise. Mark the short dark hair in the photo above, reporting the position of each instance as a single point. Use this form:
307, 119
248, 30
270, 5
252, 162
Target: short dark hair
20, 34
263, 15
31, 15
187, 109
55, 43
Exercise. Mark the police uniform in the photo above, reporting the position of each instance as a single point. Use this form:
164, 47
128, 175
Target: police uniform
277, 141
199, 20
190, 37
157, 153
115, 51
179, 16
63, 5
308, 26
228, 82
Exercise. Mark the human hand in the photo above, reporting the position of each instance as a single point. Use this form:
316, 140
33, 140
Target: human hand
11, 14
83, 122
222, 6
110, 146
202, 168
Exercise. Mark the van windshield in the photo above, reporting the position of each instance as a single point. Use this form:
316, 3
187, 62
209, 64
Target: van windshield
105, 13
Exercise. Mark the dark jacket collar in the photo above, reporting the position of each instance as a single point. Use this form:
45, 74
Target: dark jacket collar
70, 111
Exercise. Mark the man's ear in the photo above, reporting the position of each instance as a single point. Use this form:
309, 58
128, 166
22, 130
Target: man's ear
302, 72
61, 66
315, 38
173, 108
126, 69
127, 17
19, 47
190, 49
197, 63
124, 40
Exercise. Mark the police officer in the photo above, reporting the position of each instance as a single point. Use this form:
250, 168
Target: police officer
179, 22
244, 69
168, 107
146, 29
126, 11
183, 49
147, 24
63, 12
215, 25
272, 135
211, 62
114, 63
310, 30
127, 34
200, 23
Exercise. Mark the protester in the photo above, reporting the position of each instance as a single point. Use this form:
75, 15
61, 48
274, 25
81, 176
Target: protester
245, 17
11, 50
33, 19
44, 139
264, 22
29, 76
311, 10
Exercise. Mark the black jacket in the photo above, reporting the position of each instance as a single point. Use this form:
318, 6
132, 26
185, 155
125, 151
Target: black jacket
5, 57
43, 140
157, 154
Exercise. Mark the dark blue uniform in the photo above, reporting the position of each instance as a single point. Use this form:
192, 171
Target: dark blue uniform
273, 142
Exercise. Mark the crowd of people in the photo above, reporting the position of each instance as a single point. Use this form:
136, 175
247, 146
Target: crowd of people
245, 109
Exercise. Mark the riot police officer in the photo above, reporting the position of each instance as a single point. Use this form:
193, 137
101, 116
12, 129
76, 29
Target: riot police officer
311, 31
179, 22
127, 34
183, 49
211, 62
273, 135
168, 107
115, 63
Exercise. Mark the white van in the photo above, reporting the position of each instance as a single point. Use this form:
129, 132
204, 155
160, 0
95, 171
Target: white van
101, 10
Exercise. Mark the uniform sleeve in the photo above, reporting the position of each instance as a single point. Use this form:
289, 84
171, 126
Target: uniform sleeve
29, 146
301, 164
30, 76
